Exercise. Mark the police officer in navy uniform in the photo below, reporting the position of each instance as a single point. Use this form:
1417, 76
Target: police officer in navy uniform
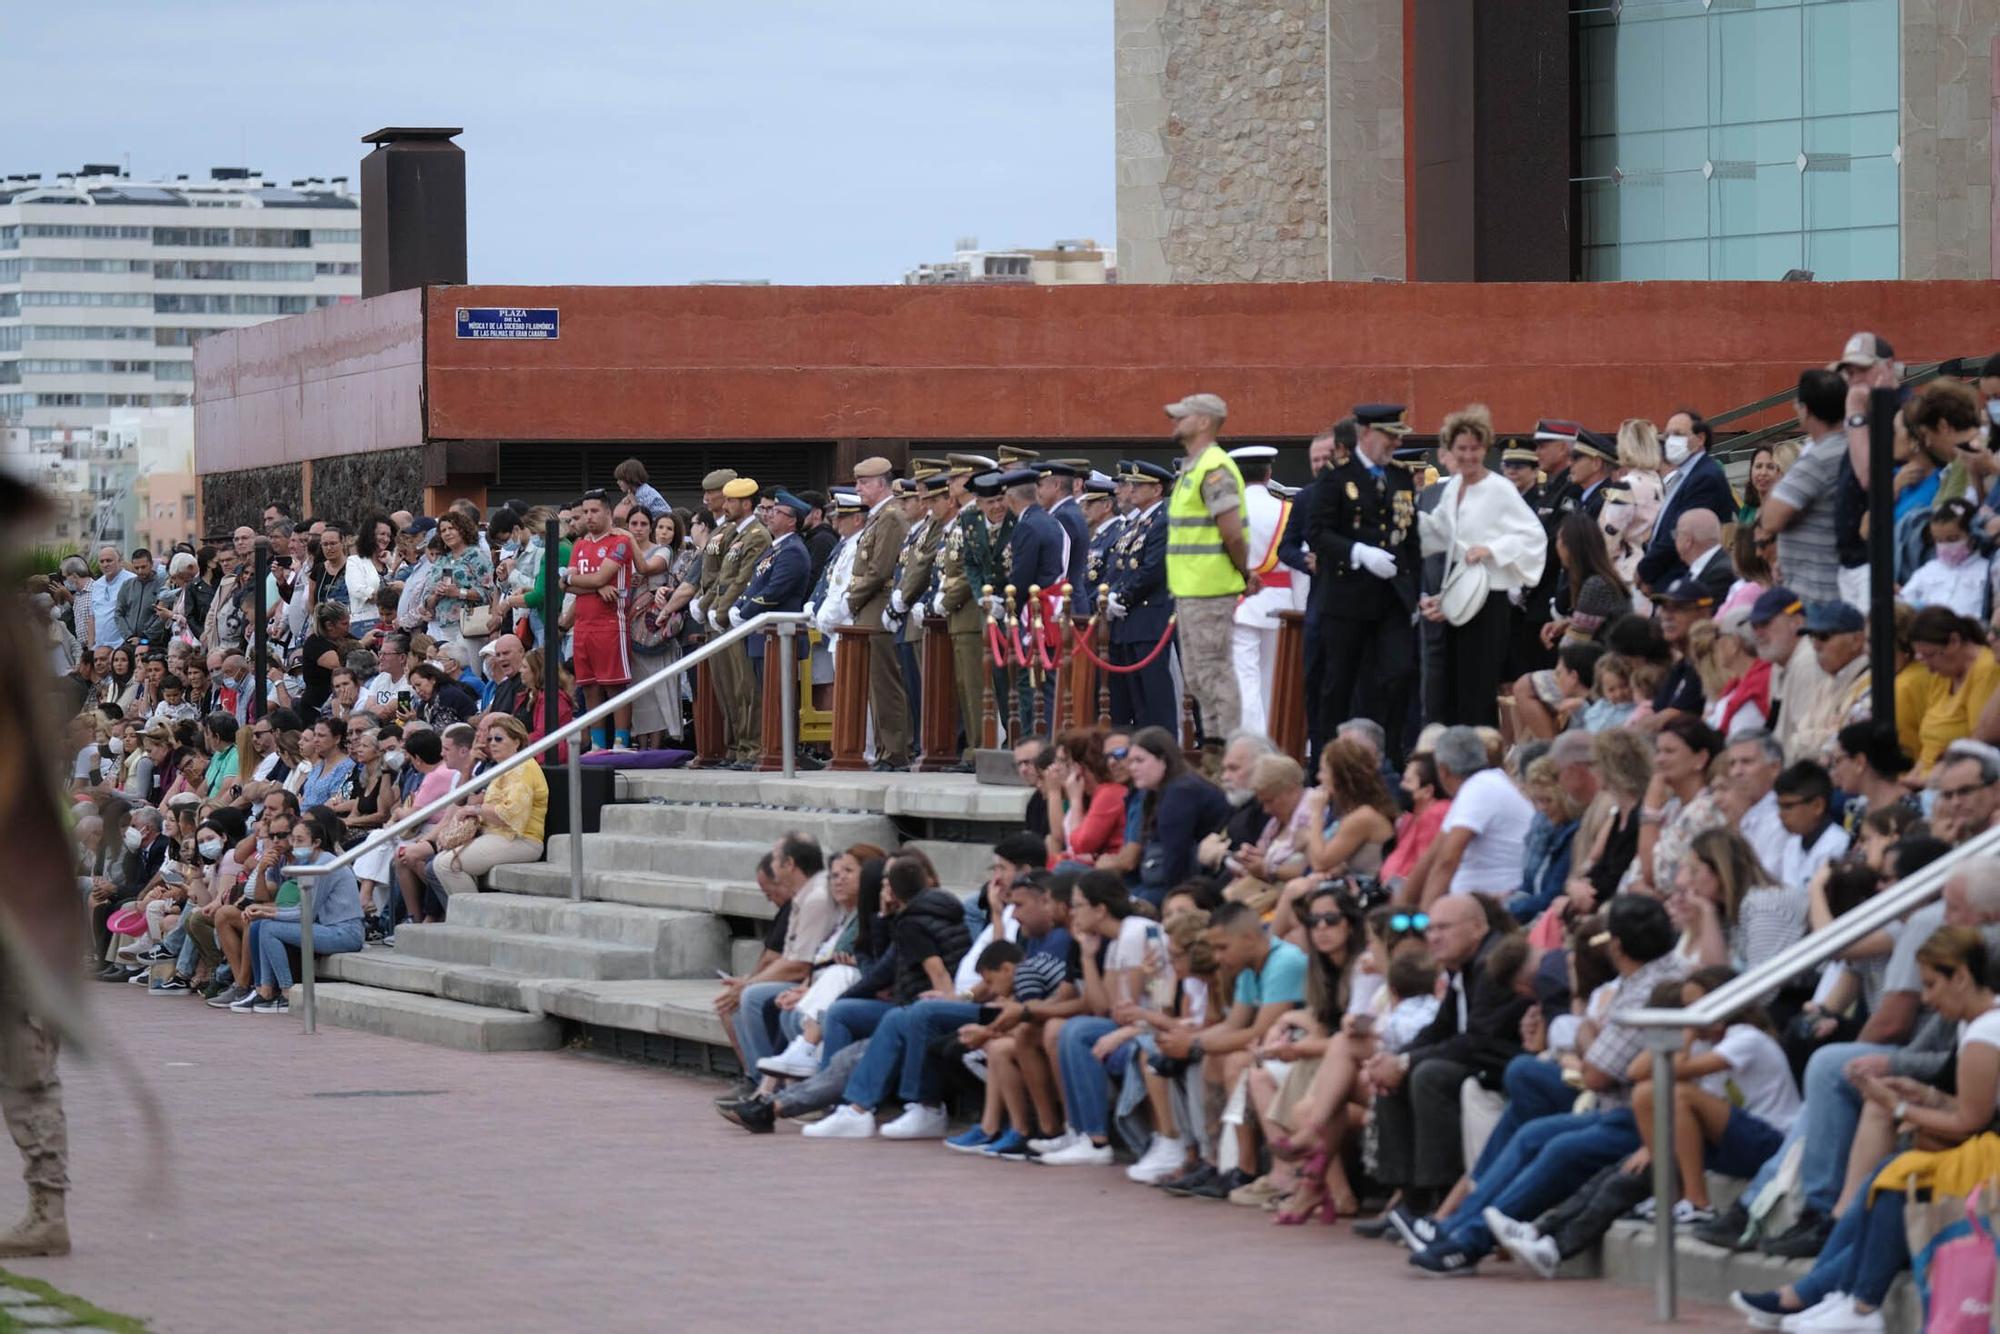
1140, 607
1555, 495
1099, 506
1056, 484
1520, 461
1034, 558
1327, 453
1363, 533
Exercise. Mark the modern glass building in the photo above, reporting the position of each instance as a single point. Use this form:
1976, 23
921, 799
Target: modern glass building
1738, 139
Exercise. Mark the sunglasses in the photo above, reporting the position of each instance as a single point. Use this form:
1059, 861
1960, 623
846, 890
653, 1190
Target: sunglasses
1404, 921
1313, 919
1118, 753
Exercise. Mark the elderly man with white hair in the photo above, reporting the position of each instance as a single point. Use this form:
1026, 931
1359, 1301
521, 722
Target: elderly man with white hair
1899, 1039
1484, 838
1698, 542
1247, 820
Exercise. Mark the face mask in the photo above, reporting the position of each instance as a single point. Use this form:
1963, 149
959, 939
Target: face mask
1993, 410
132, 839
1676, 449
394, 759
209, 848
116, 745
1954, 553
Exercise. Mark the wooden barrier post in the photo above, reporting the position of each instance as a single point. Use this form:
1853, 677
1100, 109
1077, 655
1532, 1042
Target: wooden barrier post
1014, 720
850, 695
1103, 652
1036, 676
989, 708
1082, 707
772, 760
707, 717
940, 723
1288, 686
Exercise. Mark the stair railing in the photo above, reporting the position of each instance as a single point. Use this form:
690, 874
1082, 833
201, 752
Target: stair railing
785, 623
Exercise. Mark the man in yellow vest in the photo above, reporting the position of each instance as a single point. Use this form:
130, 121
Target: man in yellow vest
1209, 564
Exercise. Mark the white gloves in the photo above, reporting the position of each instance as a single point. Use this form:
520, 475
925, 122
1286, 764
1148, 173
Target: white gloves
1373, 559
1518, 596
694, 609
1114, 606
715, 621
811, 610
996, 607
896, 603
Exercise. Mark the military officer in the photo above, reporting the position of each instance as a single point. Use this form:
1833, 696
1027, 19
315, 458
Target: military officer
868, 590
1100, 507
988, 531
1328, 450
1140, 607
1055, 493
777, 583
914, 564
735, 681
1253, 639
955, 598
1520, 463
722, 534
1593, 458
1363, 532
1556, 495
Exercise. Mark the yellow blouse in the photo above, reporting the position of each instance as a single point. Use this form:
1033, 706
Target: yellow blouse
521, 796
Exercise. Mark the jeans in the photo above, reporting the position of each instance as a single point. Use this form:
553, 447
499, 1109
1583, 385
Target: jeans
1086, 1084
845, 1021
1535, 1089
1867, 1250
756, 1022
1832, 1113
900, 1052
1545, 1161
268, 939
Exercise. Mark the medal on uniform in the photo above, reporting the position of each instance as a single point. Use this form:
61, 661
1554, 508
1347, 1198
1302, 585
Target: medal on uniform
1353, 491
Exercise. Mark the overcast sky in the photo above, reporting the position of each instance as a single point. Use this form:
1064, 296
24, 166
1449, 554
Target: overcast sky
615, 141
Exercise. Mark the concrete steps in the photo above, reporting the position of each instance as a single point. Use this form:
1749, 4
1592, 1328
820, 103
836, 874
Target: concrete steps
1707, 1274
442, 1023
961, 867
680, 1009
746, 824
531, 956
919, 796
646, 889
693, 859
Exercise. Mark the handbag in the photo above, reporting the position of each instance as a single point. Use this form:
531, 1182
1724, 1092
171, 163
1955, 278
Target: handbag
476, 623
652, 628
461, 831
1956, 1273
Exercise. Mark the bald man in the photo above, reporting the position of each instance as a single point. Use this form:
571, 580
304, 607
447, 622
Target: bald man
503, 673
1698, 542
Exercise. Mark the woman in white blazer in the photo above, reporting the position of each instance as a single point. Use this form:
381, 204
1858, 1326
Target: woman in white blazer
1494, 548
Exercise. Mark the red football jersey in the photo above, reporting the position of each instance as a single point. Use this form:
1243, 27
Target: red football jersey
592, 553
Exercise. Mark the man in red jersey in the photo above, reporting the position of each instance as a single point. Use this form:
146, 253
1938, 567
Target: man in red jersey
599, 569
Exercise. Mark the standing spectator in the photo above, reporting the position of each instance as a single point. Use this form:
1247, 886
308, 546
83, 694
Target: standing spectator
107, 627
1694, 481
1800, 509
322, 655
599, 573
637, 487
138, 603
462, 580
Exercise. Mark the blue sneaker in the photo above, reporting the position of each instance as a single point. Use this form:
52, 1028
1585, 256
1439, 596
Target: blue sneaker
970, 1141
1012, 1146
1445, 1260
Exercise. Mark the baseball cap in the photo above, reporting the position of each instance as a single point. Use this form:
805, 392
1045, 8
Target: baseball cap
1773, 603
1834, 618
1864, 349
1206, 405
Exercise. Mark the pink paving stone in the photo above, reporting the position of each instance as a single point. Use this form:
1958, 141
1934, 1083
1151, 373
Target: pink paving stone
555, 1191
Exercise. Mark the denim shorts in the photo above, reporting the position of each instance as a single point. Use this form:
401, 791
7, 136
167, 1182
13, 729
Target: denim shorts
1747, 1143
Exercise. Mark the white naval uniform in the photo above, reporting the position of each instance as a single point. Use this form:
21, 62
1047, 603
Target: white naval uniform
1253, 639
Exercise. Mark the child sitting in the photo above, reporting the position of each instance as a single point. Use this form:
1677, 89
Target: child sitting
173, 706
1612, 702
1956, 576
1412, 988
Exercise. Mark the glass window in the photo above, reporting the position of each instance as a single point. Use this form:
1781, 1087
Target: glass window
1696, 120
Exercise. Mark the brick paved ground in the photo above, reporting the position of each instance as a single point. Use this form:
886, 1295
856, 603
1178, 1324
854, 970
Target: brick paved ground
552, 1191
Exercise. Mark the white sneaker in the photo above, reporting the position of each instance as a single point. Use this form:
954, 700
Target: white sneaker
799, 1060
1833, 1304
1841, 1319
1080, 1154
1507, 1231
1056, 1144
918, 1122
1163, 1157
845, 1122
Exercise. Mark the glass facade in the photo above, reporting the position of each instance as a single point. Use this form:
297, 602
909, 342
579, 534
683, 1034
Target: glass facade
1739, 139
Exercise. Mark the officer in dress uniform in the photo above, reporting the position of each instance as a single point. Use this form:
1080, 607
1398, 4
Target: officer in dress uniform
1100, 507
735, 682
913, 575
777, 583
1520, 463
1036, 557
1326, 452
1253, 640
867, 597
1363, 532
1140, 606
1056, 490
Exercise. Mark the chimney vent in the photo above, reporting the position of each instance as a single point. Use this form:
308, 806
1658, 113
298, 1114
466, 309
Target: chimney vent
412, 209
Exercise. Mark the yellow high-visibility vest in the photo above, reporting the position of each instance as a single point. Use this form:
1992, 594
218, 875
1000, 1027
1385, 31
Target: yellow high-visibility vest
1198, 565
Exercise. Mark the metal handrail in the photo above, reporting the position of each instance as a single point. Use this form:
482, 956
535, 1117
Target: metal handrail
1665, 1028
1750, 441
784, 622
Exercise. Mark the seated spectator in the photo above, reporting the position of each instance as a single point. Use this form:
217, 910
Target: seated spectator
426, 752
1865, 1251
1867, 765
1614, 694
1481, 843
336, 916
507, 823
1550, 845
1417, 828
1956, 575
1840, 693
1182, 808
1953, 647
1091, 801
331, 766
1729, 911
1277, 785
1754, 760
792, 876
1735, 680
1352, 818
1813, 837
1682, 605
438, 697
1678, 805
1247, 819
1967, 798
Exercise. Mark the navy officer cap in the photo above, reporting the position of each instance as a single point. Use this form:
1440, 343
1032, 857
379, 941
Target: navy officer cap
1385, 417
799, 508
988, 484
1144, 470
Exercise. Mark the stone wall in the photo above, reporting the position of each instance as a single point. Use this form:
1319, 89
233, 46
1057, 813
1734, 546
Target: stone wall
231, 499
1948, 109
1365, 186
351, 485
1222, 140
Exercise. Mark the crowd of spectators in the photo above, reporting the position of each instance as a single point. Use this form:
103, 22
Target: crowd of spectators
1389, 982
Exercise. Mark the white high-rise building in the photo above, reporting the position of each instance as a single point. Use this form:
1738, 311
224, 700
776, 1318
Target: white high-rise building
106, 282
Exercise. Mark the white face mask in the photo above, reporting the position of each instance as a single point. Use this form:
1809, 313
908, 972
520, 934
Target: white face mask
132, 838
394, 759
116, 745
210, 848
1993, 410
1676, 449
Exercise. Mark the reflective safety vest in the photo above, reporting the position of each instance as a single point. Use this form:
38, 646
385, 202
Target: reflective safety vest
1198, 565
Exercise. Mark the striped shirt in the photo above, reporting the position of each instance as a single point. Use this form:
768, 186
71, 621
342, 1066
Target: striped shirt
1808, 547
1037, 976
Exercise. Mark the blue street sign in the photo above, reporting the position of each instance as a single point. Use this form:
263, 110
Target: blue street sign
508, 322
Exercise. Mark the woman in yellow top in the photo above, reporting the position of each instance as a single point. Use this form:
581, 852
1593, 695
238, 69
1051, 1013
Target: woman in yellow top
1955, 649
509, 819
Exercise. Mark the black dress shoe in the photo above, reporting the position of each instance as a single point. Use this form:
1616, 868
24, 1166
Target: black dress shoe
1802, 1240
1218, 1185
1189, 1181
886, 767
755, 1115
1728, 1229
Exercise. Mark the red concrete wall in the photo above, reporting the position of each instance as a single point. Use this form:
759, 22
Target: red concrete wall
1097, 362
339, 380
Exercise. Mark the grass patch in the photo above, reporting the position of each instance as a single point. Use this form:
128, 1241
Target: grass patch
81, 1311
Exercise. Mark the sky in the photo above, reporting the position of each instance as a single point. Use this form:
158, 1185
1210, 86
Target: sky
615, 141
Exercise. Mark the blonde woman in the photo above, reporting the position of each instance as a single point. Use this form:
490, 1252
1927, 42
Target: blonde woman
508, 823
1633, 502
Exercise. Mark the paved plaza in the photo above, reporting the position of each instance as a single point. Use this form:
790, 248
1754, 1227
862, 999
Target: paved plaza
348, 1181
